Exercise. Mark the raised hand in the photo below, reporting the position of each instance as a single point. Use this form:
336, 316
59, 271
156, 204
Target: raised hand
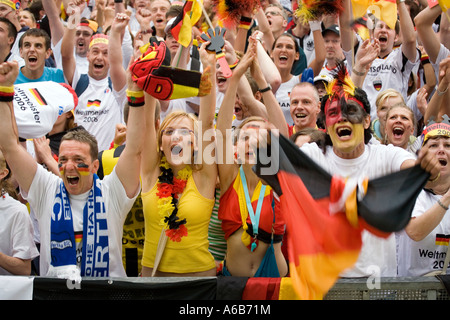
8, 73
216, 43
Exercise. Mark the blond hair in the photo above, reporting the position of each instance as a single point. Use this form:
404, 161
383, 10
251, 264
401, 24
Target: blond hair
388, 93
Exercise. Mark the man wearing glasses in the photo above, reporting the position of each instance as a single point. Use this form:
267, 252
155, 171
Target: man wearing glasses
277, 18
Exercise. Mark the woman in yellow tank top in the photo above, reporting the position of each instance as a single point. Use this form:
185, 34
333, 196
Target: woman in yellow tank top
178, 193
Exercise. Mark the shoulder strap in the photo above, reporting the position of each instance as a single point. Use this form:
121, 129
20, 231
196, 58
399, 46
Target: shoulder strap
82, 84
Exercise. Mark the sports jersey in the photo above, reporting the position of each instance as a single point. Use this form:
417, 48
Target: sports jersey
283, 96
99, 109
392, 72
417, 258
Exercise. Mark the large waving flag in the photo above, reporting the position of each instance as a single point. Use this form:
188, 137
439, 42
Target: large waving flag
324, 217
182, 26
385, 10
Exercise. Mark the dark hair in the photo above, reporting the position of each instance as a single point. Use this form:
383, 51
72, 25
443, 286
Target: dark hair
285, 34
35, 32
316, 135
82, 135
12, 31
361, 96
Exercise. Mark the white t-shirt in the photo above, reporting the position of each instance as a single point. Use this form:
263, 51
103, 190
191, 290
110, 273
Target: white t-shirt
99, 109
417, 258
377, 160
41, 197
392, 72
16, 231
283, 96
37, 106
443, 53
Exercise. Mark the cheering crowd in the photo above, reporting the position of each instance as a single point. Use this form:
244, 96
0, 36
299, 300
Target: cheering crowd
114, 179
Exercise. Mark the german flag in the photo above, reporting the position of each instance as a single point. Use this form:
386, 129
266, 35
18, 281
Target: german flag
385, 10
38, 96
322, 241
83, 169
182, 26
442, 239
94, 103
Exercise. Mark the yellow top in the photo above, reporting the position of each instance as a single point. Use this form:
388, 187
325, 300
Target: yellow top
191, 254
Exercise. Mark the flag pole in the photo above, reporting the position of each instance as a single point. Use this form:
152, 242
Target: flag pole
205, 14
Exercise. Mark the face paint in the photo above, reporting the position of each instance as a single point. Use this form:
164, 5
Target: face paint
342, 109
83, 169
345, 124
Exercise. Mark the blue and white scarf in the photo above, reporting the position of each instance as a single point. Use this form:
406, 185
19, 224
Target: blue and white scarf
95, 253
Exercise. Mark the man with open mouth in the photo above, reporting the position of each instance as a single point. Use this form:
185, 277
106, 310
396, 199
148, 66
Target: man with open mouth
102, 90
80, 216
393, 66
348, 153
35, 49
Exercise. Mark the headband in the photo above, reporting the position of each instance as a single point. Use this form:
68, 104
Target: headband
88, 23
97, 39
12, 4
436, 129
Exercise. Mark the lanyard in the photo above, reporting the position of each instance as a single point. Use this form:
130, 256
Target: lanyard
254, 217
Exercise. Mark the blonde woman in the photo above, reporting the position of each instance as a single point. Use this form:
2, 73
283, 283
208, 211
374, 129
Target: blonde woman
253, 227
385, 100
178, 189
399, 128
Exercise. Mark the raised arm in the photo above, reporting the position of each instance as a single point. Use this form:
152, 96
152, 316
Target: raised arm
116, 70
52, 12
207, 113
424, 26
20, 161
439, 103
129, 163
408, 33
67, 44
274, 112
227, 169
319, 47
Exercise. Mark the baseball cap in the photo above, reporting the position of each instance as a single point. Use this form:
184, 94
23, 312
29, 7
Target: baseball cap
334, 28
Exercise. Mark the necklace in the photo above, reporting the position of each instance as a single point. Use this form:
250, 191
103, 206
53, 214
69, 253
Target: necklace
168, 189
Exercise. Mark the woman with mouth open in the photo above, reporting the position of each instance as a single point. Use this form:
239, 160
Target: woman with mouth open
424, 243
177, 191
251, 221
399, 128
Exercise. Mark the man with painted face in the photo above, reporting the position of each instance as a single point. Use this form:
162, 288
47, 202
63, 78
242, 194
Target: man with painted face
346, 112
80, 216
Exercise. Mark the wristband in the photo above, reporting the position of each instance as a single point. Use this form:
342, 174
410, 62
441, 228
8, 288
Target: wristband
245, 23
135, 98
269, 87
441, 93
232, 66
442, 205
315, 25
359, 74
118, 1
6, 93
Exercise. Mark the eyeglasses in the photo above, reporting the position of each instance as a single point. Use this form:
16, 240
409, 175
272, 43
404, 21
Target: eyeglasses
273, 13
181, 132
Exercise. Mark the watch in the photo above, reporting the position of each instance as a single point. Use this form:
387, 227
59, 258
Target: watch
269, 87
